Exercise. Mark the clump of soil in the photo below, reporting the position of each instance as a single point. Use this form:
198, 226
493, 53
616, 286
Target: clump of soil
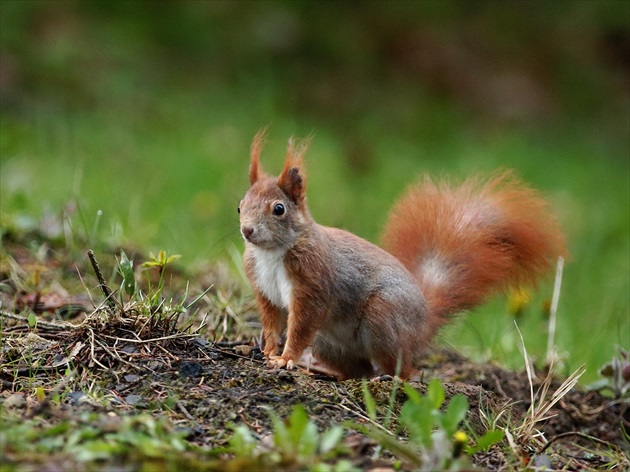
205, 380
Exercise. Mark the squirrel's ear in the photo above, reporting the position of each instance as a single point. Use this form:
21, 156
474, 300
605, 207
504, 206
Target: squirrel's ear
256, 171
292, 180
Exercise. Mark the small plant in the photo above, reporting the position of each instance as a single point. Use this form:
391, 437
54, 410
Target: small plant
125, 269
160, 262
616, 375
542, 401
435, 441
90, 439
295, 443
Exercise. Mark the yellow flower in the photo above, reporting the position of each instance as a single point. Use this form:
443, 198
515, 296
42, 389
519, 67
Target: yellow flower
461, 439
518, 300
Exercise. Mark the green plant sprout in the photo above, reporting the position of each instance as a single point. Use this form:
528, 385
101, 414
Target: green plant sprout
160, 262
616, 375
125, 269
296, 444
435, 441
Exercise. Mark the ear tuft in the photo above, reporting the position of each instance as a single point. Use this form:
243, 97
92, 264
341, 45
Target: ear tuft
292, 180
256, 171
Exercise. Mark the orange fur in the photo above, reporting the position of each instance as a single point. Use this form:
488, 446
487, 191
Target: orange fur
256, 171
485, 236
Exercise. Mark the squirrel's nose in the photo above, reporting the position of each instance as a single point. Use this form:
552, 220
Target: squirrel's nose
247, 232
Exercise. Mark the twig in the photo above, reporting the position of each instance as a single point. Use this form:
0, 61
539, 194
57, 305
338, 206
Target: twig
183, 409
101, 280
132, 384
362, 416
169, 355
202, 324
342, 391
580, 435
528, 369
68, 359
115, 356
145, 341
229, 344
92, 353
47, 324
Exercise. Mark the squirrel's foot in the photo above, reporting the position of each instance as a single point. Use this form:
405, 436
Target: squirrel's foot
269, 354
384, 378
278, 362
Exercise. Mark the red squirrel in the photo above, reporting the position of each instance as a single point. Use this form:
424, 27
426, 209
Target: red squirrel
366, 310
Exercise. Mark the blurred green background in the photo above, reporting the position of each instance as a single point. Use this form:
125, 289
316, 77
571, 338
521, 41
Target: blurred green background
132, 120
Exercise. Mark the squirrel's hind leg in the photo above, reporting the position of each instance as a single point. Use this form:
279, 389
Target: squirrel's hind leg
395, 362
342, 361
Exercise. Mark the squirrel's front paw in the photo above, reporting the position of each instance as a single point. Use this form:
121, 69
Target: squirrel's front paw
278, 362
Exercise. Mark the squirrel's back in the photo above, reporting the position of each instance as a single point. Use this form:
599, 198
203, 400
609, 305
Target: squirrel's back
464, 242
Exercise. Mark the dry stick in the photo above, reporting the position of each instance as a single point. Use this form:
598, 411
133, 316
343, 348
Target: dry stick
183, 409
101, 280
145, 341
47, 324
116, 356
553, 310
580, 435
92, 354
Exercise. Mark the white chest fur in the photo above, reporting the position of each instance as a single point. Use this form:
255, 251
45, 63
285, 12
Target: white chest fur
271, 276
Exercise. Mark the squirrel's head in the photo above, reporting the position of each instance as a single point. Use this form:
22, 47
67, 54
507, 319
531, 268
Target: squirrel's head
273, 213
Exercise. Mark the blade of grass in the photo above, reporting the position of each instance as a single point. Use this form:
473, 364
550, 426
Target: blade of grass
553, 309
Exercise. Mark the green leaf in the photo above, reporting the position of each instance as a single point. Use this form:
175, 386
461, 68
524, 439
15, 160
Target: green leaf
412, 394
403, 450
320, 467
242, 443
297, 424
330, 439
99, 449
31, 319
308, 444
172, 258
417, 418
344, 465
125, 268
484, 442
281, 437
435, 393
370, 404
454, 414
55, 430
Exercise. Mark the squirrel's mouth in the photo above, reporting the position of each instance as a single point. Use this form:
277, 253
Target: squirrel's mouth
261, 238
252, 238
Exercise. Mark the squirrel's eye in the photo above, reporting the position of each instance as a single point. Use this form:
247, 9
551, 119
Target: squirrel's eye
278, 209
239, 210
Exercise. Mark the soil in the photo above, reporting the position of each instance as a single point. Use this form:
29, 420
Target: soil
215, 376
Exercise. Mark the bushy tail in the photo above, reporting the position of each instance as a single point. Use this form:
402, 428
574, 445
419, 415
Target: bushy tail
466, 242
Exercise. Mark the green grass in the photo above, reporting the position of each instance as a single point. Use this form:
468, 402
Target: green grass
175, 184
145, 141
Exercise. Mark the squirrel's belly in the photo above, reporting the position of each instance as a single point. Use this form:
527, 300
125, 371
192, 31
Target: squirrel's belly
271, 276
